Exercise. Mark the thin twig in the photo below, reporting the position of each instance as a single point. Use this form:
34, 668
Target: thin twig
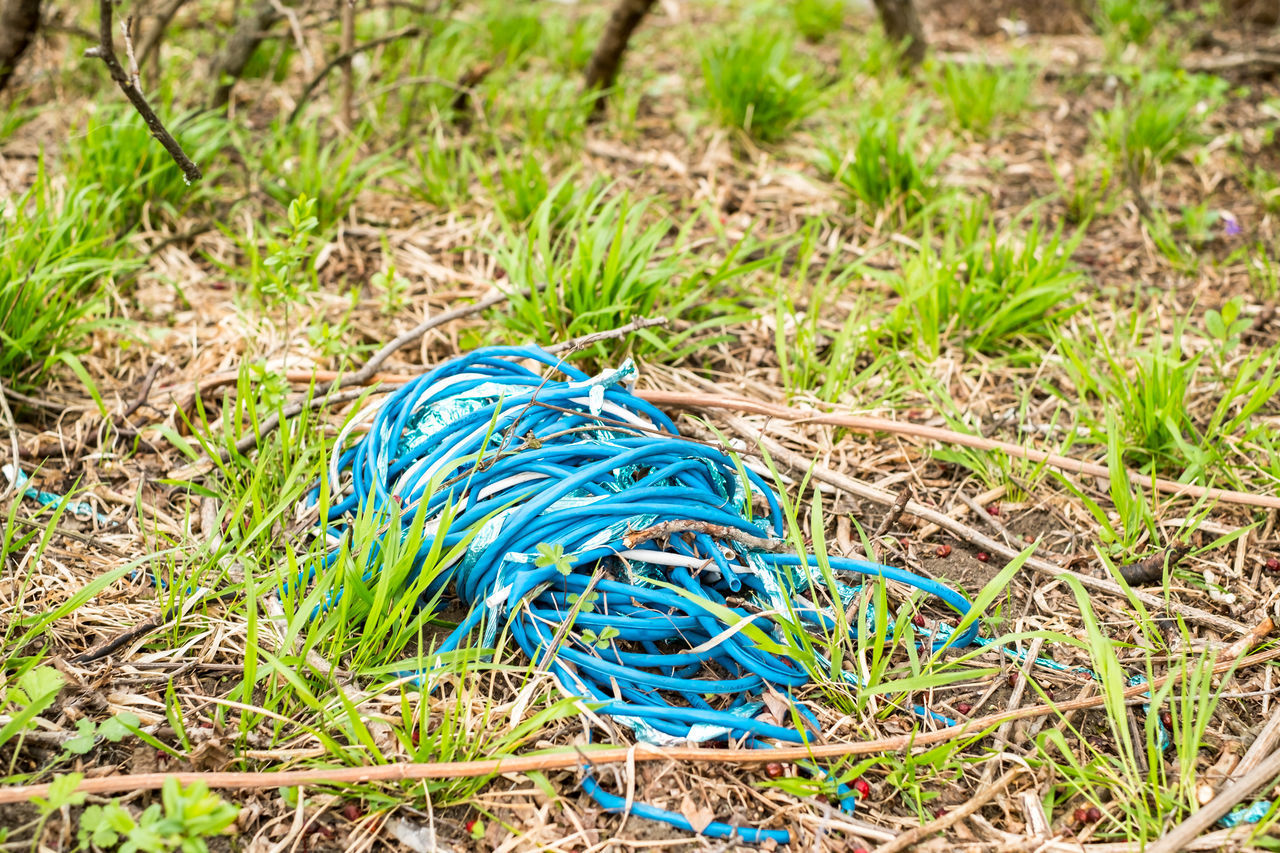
585, 341
720, 531
895, 513
343, 58
976, 537
105, 51
577, 757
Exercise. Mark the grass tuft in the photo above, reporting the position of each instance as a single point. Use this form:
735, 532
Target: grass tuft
754, 83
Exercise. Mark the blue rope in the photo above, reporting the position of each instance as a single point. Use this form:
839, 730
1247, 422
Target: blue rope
553, 479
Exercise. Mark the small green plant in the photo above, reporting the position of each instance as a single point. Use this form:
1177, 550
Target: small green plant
115, 155
817, 19
887, 172
979, 96
296, 161
521, 189
1129, 21
391, 287
183, 820
601, 264
25, 696
754, 83
553, 555
601, 640
986, 289
1091, 191
514, 30
1157, 119
53, 261
444, 173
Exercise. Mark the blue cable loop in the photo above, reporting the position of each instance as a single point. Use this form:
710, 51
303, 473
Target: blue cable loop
526, 461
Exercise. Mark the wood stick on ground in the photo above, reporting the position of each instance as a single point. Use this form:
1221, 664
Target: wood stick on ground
862, 423
610, 755
1177, 838
977, 538
895, 513
602, 70
105, 51
953, 816
667, 528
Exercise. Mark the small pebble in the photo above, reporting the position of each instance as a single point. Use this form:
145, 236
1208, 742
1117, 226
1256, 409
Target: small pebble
943, 551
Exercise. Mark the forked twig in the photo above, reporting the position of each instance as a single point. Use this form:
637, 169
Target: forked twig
105, 51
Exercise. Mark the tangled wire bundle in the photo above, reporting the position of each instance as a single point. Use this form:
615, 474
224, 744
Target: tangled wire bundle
646, 571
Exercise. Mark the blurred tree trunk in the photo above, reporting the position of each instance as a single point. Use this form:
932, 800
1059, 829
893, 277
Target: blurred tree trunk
902, 24
19, 20
234, 57
602, 70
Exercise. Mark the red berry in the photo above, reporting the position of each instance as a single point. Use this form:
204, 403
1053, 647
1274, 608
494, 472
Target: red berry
352, 812
861, 850
1094, 815
1273, 565
860, 785
982, 556
939, 813
943, 551
917, 620
1013, 679
774, 769
1167, 719
963, 708
471, 826
994, 509
1081, 815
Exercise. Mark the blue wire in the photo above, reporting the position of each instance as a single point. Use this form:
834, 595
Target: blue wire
528, 463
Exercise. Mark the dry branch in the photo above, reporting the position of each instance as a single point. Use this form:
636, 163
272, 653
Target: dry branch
105, 51
579, 757
343, 59
602, 70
